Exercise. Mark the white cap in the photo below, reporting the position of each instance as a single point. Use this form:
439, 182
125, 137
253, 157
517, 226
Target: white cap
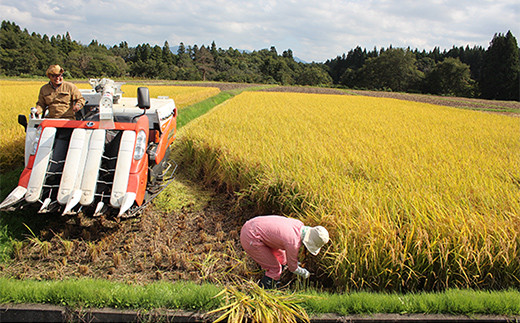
315, 238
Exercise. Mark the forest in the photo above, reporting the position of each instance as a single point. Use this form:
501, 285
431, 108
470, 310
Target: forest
475, 72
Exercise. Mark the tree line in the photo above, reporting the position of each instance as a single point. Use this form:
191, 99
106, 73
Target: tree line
491, 73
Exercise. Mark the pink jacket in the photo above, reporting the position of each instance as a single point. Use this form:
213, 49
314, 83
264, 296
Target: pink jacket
277, 232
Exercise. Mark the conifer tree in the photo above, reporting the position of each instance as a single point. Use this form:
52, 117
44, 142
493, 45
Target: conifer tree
501, 68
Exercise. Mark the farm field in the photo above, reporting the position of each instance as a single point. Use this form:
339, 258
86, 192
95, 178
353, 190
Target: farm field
17, 97
416, 196
504, 107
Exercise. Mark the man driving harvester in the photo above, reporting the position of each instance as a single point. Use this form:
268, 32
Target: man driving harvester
273, 241
62, 99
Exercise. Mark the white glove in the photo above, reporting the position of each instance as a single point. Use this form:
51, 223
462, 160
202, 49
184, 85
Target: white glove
302, 272
34, 113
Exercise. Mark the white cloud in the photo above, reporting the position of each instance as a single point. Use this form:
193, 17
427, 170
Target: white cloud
14, 14
314, 30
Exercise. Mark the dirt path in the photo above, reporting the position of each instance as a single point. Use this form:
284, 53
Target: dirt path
504, 107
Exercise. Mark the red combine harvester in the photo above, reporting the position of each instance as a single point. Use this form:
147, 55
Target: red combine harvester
113, 161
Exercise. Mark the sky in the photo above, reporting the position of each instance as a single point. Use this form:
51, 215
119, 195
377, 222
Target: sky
315, 30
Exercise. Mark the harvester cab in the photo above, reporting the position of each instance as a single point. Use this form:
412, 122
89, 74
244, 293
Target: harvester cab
114, 160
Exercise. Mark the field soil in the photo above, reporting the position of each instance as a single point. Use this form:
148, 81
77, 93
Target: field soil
197, 241
223, 86
503, 107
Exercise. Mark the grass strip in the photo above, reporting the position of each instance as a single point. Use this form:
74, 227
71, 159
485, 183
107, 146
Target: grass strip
201, 297
196, 110
102, 293
454, 301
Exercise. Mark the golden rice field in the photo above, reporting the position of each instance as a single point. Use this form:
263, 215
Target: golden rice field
17, 97
183, 95
415, 196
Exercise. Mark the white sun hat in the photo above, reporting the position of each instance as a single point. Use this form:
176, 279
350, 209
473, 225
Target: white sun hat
314, 238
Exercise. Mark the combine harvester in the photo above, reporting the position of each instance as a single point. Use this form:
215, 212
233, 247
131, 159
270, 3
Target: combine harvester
113, 161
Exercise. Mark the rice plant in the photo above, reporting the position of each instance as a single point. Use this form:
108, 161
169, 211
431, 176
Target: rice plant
416, 196
15, 98
247, 302
183, 95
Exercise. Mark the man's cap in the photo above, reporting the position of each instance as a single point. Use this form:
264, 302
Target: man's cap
54, 69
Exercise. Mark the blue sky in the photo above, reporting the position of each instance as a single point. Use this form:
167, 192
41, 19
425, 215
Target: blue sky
314, 30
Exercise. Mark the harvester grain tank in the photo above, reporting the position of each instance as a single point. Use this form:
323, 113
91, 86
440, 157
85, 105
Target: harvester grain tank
113, 160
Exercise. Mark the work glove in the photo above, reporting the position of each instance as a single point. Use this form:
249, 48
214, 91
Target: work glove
302, 272
34, 113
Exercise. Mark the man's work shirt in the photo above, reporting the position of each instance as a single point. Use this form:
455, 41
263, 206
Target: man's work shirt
59, 101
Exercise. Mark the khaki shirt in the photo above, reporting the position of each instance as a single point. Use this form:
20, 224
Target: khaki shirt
59, 101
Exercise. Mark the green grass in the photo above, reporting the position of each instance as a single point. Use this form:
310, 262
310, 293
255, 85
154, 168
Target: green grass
191, 296
481, 106
490, 109
196, 110
463, 302
102, 293
14, 226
